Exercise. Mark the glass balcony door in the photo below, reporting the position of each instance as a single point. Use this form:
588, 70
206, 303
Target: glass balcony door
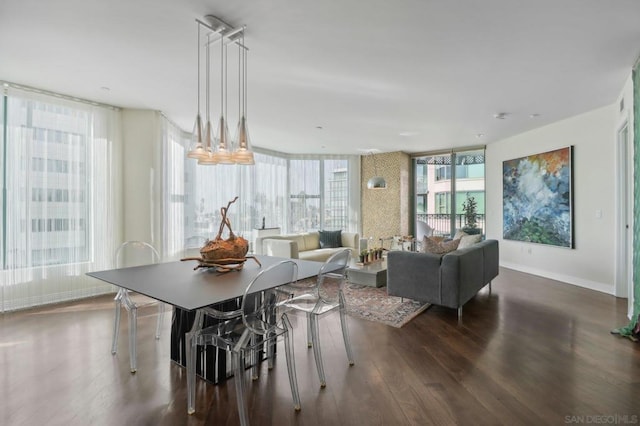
444, 184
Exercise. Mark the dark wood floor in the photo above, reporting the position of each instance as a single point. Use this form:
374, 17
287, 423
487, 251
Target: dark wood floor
533, 352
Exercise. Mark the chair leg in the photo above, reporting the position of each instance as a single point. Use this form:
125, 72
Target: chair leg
116, 323
460, 313
309, 331
253, 356
271, 352
243, 412
291, 363
345, 329
191, 350
317, 353
133, 331
161, 309
489, 287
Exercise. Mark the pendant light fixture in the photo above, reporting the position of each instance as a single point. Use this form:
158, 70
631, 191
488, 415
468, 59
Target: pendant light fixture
197, 148
242, 153
222, 153
208, 158
222, 149
376, 182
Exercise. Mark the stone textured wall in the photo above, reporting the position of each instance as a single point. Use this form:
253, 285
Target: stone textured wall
385, 212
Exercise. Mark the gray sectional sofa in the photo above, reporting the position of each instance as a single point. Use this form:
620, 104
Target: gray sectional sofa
446, 280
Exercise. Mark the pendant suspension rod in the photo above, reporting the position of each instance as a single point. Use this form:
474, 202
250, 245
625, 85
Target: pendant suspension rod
221, 82
226, 74
239, 82
198, 69
244, 80
207, 85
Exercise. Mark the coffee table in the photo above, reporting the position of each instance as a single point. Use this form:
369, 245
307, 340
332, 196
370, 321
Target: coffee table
373, 275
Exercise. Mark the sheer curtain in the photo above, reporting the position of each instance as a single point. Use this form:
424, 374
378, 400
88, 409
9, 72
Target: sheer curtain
60, 202
175, 143
260, 190
294, 193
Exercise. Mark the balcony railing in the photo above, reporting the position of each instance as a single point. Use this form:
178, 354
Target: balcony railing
441, 222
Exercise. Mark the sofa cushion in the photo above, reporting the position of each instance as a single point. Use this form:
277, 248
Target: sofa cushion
318, 255
330, 239
469, 240
299, 240
311, 241
429, 245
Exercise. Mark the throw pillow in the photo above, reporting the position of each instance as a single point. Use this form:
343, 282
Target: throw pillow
330, 239
459, 234
469, 240
429, 245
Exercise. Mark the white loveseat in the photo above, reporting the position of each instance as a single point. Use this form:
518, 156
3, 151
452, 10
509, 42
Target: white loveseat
303, 246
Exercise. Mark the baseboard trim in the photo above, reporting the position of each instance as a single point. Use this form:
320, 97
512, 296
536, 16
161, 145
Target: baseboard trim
579, 282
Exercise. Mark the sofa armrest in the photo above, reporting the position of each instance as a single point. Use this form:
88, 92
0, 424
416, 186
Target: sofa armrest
280, 248
462, 275
491, 259
350, 239
414, 275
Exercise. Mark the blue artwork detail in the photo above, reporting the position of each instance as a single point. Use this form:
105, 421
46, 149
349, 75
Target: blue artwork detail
537, 198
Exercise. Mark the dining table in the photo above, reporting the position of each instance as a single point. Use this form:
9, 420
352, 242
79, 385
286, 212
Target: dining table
189, 287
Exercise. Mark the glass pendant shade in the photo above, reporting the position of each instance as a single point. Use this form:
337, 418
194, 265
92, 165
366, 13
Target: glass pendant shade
242, 153
222, 153
208, 157
197, 148
376, 182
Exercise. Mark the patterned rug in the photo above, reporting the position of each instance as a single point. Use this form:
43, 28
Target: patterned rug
374, 304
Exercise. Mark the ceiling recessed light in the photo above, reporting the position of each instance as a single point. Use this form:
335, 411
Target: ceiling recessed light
105, 88
408, 134
319, 127
535, 115
480, 135
500, 115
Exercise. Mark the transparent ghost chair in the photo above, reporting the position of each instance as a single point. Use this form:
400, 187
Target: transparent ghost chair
134, 253
323, 296
245, 332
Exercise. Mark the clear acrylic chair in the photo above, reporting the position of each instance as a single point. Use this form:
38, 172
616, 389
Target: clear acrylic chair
245, 332
324, 296
133, 253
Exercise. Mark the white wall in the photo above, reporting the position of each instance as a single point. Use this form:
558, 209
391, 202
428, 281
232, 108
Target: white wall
591, 263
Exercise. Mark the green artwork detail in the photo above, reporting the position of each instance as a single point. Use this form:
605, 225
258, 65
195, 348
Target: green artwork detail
628, 330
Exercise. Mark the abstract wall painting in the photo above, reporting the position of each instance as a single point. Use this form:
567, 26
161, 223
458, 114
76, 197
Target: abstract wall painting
537, 198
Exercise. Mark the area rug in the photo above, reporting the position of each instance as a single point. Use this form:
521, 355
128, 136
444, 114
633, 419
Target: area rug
374, 304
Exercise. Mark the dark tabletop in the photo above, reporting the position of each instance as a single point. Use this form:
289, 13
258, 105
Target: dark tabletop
178, 284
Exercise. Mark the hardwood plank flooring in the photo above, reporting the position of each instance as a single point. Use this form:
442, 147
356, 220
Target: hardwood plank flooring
533, 352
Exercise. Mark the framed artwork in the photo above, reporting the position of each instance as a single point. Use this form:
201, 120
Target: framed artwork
537, 198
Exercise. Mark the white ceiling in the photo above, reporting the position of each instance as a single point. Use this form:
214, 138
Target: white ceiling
366, 71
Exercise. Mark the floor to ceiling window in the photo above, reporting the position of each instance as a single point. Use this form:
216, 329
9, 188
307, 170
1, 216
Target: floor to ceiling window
293, 193
59, 197
443, 182
319, 196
